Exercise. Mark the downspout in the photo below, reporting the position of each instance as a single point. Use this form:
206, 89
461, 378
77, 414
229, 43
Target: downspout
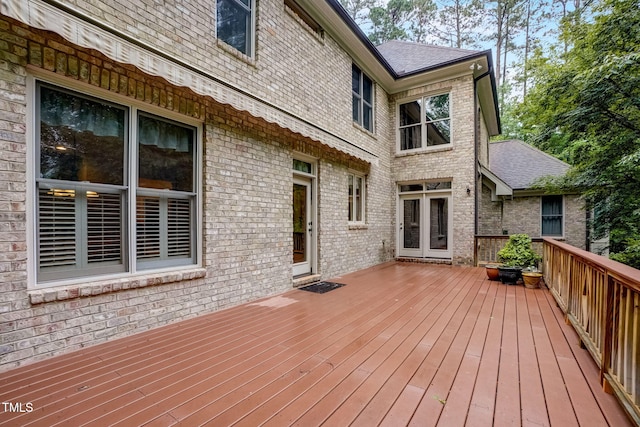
476, 143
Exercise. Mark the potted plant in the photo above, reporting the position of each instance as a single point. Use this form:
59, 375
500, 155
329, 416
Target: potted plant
516, 255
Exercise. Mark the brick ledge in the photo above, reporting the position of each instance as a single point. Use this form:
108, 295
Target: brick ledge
79, 290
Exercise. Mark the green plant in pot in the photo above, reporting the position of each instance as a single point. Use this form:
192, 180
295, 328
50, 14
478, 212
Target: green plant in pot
516, 255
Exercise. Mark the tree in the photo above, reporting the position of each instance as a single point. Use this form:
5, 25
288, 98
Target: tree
390, 22
505, 17
358, 9
459, 20
585, 107
424, 12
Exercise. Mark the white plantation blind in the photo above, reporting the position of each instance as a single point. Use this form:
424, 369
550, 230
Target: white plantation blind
80, 231
164, 229
104, 227
148, 227
179, 228
57, 228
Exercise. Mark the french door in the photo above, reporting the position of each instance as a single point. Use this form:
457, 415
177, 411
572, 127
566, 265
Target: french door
303, 248
424, 226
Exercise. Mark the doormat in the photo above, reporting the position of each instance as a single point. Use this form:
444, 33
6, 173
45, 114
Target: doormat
322, 287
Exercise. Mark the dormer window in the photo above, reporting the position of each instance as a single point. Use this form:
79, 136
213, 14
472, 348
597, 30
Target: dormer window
235, 24
362, 91
425, 122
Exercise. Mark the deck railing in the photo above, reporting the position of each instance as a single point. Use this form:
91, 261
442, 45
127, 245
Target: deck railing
601, 299
487, 247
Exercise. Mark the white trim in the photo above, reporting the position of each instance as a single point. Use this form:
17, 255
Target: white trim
363, 198
423, 124
424, 196
311, 178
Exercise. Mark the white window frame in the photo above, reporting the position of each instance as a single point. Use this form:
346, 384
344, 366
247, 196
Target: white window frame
423, 124
131, 266
361, 205
251, 42
359, 95
562, 218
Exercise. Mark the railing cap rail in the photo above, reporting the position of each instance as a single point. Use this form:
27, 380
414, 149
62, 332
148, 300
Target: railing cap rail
617, 270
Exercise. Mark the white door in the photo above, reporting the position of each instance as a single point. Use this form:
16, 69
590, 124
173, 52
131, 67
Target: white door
424, 226
410, 226
302, 226
438, 229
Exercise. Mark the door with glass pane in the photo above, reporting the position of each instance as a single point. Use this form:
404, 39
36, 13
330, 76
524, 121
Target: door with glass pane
438, 230
302, 226
410, 226
424, 226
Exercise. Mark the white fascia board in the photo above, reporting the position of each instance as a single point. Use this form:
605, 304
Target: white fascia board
500, 188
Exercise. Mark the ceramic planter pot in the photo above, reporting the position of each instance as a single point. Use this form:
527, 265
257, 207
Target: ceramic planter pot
531, 279
492, 271
509, 275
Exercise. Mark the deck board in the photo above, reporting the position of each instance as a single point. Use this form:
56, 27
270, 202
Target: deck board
401, 344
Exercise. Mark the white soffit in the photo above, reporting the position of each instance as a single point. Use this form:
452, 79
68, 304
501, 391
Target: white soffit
39, 14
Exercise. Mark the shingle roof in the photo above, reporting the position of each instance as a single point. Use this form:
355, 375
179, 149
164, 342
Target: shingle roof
407, 57
519, 164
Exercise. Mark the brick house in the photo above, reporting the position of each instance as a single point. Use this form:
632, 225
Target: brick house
511, 203
150, 157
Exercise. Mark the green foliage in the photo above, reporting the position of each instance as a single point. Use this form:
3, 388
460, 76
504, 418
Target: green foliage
585, 109
518, 252
389, 21
630, 255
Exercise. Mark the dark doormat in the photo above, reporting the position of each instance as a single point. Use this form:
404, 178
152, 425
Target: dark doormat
322, 287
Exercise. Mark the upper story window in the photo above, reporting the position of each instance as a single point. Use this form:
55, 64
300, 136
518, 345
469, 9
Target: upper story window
552, 216
425, 122
362, 90
102, 206
235, 24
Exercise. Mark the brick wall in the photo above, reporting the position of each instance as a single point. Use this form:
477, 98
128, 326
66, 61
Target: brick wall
246, 170
455, 163
523, 215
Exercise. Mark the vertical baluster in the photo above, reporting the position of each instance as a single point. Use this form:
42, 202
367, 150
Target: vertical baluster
634, 385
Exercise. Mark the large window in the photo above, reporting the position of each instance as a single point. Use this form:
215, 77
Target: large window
362, 92
552, 216
356, 184
92, 187
235, 24
425, 122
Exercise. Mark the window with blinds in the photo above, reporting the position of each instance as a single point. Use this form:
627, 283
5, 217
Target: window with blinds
83, 197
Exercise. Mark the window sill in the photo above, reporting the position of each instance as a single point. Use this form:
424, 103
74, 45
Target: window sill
235, 52
434, 149
365, 130
357, 226
80, 290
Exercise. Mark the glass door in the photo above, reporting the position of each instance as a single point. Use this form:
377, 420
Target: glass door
302, 226
425, 224
410, 226
439, 229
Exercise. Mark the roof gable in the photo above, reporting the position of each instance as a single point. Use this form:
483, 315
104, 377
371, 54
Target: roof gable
519, 164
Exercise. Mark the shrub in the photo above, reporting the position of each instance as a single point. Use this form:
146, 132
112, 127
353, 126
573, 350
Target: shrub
518, 252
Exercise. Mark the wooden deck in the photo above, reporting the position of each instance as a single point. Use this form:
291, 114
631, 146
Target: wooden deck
400, 344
